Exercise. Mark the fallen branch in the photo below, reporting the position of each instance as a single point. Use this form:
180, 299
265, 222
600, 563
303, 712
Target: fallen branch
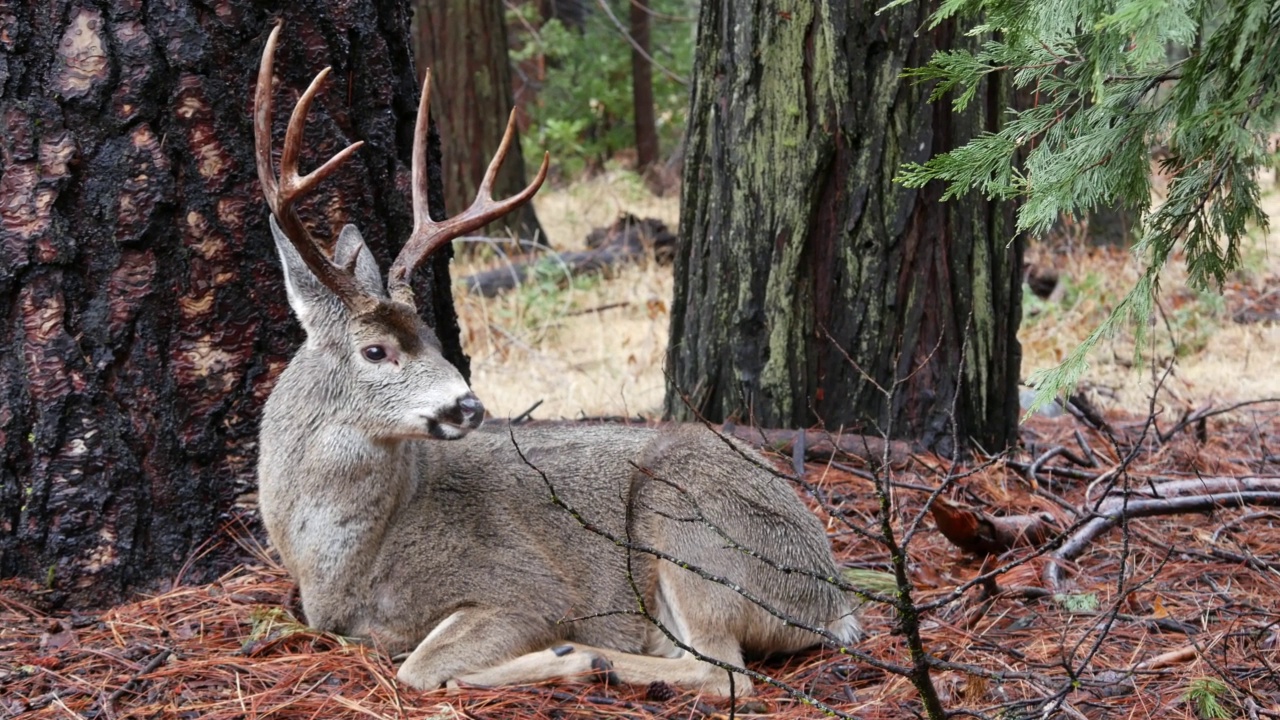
1173, 657
1198, 417
1202, 486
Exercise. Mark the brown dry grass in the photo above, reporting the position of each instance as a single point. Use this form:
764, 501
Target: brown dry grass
593, 348
1220, 360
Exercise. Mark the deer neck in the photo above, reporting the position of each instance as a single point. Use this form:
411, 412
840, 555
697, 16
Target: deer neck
330, 491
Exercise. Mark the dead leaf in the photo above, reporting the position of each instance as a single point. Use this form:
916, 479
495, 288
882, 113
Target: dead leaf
977, 532
1157, 609
58, 635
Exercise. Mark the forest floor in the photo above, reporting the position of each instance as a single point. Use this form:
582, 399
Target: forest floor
1172, 616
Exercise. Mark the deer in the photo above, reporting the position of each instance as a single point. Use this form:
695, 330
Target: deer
499, 556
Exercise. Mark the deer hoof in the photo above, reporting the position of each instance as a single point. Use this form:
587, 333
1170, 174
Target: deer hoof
602, 669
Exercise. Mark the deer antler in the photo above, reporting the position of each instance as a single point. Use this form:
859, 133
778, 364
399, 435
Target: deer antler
282, 193
429, 235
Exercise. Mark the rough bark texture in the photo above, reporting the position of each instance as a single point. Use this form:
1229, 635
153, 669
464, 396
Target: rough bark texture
797, 247
642, 88
145, 318
464, 43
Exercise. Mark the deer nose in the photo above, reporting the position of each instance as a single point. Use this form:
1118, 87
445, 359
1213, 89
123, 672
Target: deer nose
471, 410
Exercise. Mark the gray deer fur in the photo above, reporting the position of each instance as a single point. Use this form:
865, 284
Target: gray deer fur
455, 548
512, 555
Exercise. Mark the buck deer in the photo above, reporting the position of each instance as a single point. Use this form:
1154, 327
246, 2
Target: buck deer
515, 555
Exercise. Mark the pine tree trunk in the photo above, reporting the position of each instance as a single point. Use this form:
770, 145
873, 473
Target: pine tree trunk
1111, 226
806, 279
642, 88
145, 313
464, 43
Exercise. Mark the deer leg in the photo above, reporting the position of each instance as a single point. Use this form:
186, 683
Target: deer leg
680, 606
573, 661
472, 639
569, 661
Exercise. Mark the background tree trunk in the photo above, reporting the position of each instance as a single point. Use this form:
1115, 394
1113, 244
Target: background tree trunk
802, 264
145, 314
573, 13
464, 42
1111, 226
642, 88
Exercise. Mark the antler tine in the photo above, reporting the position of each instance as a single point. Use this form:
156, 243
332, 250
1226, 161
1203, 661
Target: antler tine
421, 203
282, 192
428, 235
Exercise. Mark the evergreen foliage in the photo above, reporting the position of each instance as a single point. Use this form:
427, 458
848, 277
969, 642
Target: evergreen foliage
583, 114
1112, 84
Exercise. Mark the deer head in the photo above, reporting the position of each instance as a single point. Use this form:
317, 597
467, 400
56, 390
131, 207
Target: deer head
382, 362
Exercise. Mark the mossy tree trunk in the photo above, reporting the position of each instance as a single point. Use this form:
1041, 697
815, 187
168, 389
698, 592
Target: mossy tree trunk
145, 318
464, 43
806, 279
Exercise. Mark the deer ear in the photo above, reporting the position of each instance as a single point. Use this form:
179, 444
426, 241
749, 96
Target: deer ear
307, 295
351, 244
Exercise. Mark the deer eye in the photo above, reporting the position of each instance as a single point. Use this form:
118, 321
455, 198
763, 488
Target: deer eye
374, 353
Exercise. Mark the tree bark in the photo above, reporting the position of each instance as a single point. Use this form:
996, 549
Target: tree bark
1111, 226
145, 314
464, 43
642, 88
807, 280
572, 13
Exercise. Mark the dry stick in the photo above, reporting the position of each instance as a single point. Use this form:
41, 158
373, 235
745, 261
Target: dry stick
1207, 485
1111, 515
1120, 472
1091, 460
1173, 657
908, 612
1025, 469
525, 415
1209, 412
1052, 572
1228, 527
154, 663
1048, 455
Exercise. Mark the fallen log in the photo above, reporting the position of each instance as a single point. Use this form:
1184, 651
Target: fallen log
815, 445
821, 445
628, 239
